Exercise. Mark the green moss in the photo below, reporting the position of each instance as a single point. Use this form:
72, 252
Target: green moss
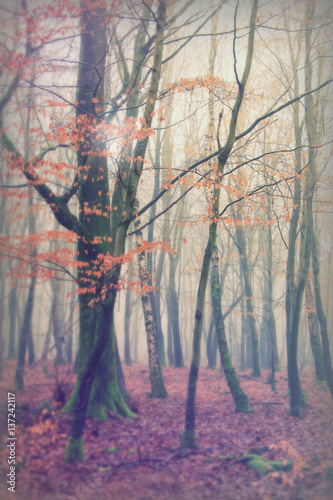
264, 466
295, 412
242, 405
329, 474
112, 449
188, 439
74, 450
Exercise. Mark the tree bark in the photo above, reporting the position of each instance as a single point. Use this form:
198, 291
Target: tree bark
12, 309
156, 377
240, 398
127, 315
314, 334
26, 326
322, 317
250, 319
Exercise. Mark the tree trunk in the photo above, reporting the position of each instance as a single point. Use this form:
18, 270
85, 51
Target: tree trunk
12, 309
250, 318
55, 315
296, 395
211, 346
160, 336
240, 398
174, 310
321, 317
314, 334
243, 358
26, 326
93, 184
156, 378
188, 438
155, 295
127, 315
69, 337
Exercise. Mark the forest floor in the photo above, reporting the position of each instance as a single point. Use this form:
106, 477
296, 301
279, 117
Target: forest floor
140, 459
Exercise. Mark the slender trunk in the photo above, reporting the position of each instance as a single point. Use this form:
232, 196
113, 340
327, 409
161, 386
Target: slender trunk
19, 381
321, 317
12, 308
127, 316
314, 334
296, 395
250, 318
69, 336
210, 346
155, 295
55, 314
188, 437
240, 398
2, 291
174, 310
171, 357
47, 341
160, 336
156, 378
243, 359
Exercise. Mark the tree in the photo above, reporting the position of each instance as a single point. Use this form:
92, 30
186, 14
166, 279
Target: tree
188, 438
156, 378
314, 334
240, 398
251, 322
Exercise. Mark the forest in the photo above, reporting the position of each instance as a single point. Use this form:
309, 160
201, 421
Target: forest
166, 174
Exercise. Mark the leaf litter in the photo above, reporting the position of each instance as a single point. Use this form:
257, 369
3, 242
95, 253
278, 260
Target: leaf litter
141, 459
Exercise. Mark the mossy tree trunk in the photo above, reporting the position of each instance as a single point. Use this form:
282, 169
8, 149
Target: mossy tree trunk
74, 450
322, 317
240, 398
308, 242
316, 349
297, 288
94, 212
188, 438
